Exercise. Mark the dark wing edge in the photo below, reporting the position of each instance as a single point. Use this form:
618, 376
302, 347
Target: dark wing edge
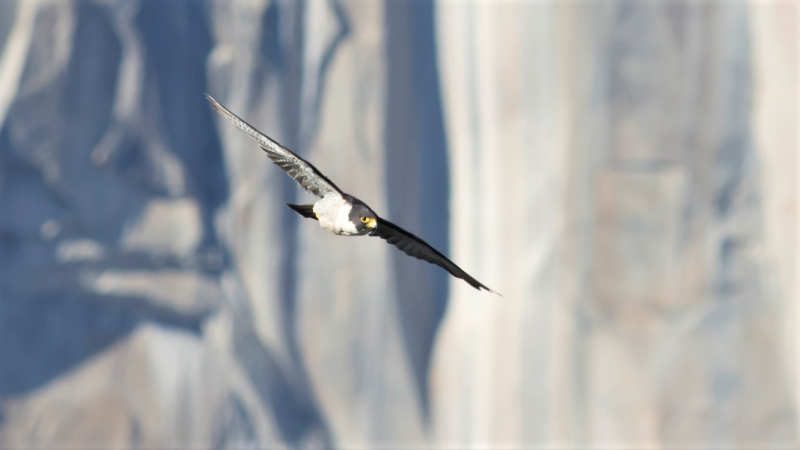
302, 171
416, 247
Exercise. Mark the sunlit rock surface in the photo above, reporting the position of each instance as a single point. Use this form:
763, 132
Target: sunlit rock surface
625, 174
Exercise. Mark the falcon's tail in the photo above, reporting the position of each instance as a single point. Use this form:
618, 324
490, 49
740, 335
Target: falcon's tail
306, 211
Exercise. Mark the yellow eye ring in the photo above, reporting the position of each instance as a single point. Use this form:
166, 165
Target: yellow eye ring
364, 219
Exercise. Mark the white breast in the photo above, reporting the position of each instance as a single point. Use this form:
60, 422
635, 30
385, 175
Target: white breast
333, 213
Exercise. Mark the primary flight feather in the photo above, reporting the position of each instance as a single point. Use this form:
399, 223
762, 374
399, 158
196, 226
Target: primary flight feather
338, 212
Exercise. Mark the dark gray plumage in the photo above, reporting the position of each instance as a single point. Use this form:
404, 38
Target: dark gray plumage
306, 175
341, 213
416, 247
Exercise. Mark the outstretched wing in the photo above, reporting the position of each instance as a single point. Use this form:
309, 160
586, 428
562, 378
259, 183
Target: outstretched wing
298, 168
416, 247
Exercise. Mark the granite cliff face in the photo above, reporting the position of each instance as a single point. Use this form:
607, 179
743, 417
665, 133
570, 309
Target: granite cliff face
623, 173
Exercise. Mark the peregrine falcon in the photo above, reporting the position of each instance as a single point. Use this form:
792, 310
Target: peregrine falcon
338, 212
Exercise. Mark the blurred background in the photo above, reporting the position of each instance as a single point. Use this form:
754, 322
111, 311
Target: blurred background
623, 172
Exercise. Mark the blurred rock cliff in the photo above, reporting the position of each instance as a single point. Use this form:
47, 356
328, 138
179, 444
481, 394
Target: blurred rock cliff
623, 172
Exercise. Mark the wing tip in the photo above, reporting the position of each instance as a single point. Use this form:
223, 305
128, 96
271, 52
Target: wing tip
214, 103
482, 287
478, 285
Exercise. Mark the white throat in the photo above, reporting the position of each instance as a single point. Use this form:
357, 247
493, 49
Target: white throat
333, 213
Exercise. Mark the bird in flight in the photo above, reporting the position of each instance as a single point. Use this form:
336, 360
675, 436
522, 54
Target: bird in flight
338, 212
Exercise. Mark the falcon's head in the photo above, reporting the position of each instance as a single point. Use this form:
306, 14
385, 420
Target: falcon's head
363, 218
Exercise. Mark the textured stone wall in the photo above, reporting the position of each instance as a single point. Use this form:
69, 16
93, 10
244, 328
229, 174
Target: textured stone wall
624, 173
637, 165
